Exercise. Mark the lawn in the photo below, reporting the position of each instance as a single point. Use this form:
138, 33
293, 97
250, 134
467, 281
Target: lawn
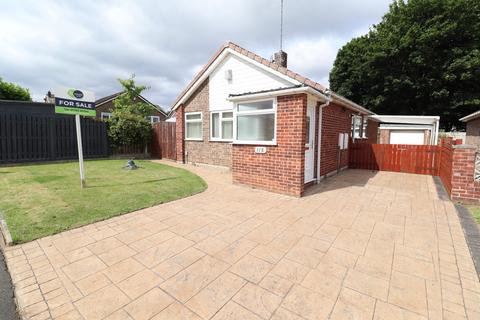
475, 211
44, 199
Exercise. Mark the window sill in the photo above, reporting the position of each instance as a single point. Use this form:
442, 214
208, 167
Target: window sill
257, 143
192, 139
220, 140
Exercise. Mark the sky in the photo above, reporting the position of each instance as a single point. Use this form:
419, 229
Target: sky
90, 44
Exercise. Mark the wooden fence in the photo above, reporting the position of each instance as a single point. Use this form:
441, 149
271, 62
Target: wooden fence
432, 160
420, 159
42, 137
163, 141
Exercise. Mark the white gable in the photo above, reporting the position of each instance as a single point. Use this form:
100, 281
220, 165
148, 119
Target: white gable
245, 77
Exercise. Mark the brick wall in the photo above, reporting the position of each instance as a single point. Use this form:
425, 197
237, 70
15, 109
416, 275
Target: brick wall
372, 131
473, 133
384, 136
335, 120
464, 188
205, 151
281, 168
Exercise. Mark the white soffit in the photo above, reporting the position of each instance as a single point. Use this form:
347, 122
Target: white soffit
407, 119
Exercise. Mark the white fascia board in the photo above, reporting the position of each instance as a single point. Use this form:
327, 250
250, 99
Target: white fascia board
276, 93
406, 127
407, 119
217, 61
470, 116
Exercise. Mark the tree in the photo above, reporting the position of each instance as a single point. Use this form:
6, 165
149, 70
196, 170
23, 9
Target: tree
128, 124
423, 58
12, 91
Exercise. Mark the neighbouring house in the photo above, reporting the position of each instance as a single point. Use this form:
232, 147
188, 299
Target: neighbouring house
417, 130
274, 128
105, 106
473, 128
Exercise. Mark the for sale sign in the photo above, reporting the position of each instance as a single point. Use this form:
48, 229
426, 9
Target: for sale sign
74, 101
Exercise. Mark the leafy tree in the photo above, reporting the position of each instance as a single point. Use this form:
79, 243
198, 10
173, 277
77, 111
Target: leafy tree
128, 125
423, 58
12, 91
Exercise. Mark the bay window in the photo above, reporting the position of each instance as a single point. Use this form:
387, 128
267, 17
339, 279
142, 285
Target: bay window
193, 126
221, 126
255, 122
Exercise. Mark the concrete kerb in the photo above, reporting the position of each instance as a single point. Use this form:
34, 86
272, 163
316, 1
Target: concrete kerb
6, 238
472, 234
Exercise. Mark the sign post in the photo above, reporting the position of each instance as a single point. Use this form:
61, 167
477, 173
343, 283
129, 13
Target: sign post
76, 102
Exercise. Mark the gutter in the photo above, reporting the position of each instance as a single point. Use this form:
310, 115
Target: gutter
275, 93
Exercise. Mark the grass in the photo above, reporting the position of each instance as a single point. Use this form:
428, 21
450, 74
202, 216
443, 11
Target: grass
475, 211
44, 199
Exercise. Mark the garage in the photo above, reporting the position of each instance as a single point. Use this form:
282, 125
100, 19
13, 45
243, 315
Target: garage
407, 137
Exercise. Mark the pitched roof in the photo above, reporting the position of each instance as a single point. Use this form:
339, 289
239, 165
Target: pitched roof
115, 95
287, 72
471, 116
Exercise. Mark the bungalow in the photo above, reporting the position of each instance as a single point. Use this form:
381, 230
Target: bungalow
274, 128
105, 106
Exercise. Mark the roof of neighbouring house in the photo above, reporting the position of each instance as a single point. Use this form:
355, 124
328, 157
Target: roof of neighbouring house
471, 116
115, 95
301, 80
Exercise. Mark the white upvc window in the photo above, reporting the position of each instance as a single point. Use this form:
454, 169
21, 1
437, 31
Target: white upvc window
193, 126
153, 119
365, 126
356, 127
105, 115
255, 122
221, 126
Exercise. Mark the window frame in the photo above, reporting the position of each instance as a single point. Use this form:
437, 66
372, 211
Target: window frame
193, 121
152, 117
237, 113
105, 115
221, 120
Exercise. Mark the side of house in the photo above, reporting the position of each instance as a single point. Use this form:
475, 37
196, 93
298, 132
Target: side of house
473, 128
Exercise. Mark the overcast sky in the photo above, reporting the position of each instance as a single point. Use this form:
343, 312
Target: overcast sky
89, 44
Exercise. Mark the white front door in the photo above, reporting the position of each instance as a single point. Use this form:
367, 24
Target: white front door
310, 145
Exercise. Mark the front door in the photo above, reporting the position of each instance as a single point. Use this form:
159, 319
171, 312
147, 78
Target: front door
310, 145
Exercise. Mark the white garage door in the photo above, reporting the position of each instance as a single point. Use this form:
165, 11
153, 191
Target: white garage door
407, 137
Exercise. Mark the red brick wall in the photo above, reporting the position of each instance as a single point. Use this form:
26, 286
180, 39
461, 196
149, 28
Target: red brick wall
205, 151
464, 188
179, 134
372, 131
281, 168
335, 120
384, 136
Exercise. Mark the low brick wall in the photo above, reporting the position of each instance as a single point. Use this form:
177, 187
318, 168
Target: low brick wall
464, 186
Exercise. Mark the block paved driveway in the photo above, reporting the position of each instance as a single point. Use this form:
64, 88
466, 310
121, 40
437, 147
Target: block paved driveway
363, 245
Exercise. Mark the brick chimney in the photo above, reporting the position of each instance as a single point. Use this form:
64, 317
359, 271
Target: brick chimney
280, 58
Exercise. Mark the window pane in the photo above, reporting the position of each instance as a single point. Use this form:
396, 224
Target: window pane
253, 106
194, 130
256, 127
226, 115
227, 130
215, 125
196, 116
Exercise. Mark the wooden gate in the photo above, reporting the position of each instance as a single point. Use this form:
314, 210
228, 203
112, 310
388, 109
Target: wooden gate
420, 159
163, 141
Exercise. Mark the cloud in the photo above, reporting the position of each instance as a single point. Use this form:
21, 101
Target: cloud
89, 44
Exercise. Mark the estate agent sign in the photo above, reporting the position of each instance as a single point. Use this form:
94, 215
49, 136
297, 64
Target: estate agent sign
79, 103
74, 101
